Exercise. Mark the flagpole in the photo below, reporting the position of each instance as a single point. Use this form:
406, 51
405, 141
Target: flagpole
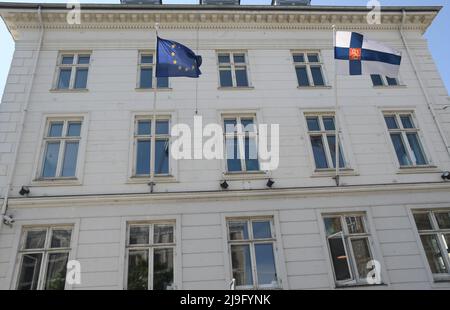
336, 108
153, 124
196, 80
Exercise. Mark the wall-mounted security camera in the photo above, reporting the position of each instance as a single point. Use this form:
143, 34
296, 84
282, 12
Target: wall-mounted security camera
445, 175
25, 190
8, 220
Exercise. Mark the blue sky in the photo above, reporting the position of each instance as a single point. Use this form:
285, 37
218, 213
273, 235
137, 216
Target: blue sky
439, 43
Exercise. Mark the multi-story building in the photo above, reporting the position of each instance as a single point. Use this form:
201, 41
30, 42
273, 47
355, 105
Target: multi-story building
77, 149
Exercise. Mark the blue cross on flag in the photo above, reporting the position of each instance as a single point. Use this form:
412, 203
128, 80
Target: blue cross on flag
174, 59
356, 55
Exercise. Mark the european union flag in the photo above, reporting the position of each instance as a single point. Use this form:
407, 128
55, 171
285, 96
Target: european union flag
174, 59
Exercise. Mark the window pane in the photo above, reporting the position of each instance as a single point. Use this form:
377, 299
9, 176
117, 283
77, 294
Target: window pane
339, 259
56, 271
414, 143
162, 127
434, 256
139, 234
261, 230
241, 264
265, 264
146, 78
391, 81
138, 270
400, 150
230, 125
362, 256
239, 58
241, 77
29, 271
162, 156
163, 234
319, 152
355, 224
35, 239
81, 78
224, 58
74, 129
251, 155
391, 122
55, 129
143, 157
317, 76
248, 125
328, 123
84, 59
238, 230
332, 225
50, 160
443, 219
162, 268
64, 78
162, 82
302, 76
233, 158
407, 121
225, 78
313, 57
332, 145
422, 221
61, 238
144, 127
67, 60
446, 241
313, 123
376, 80
146, 59
70, 159
299, 58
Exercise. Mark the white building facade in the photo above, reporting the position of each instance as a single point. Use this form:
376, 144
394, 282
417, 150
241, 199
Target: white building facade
75, 130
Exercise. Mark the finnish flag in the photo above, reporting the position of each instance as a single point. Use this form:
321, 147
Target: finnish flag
356, 55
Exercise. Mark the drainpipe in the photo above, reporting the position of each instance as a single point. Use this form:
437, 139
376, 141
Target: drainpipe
422, 85
22, 120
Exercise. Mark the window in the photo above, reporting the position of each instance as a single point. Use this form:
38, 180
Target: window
405, 139
43, 257
150, 253
241, 138
379, 80
349, 247
146, 66
251, 246
61, 144
73, 70
322, 136
434, 231
309, 69
144, 140
233, 69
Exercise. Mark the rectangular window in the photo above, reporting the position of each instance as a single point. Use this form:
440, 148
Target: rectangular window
146, 68
322, 136
150, 253
73, 70
434, 231
252, 250
240, 136
349, 247
309, 69
379, 80
405, 139
233, 69
143, 141
61, 142
43, 257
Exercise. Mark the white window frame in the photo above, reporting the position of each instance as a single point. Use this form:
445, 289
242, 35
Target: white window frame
150, 247
233, 67
45, 251
307, 64
153, 67
74, 66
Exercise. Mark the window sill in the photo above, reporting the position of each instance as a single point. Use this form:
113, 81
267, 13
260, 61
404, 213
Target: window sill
237, 176
358, 285
162, 89
314, 87
418, 169
389, 86
321, 173
56, 182
157, 179
236, 88
73, 90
